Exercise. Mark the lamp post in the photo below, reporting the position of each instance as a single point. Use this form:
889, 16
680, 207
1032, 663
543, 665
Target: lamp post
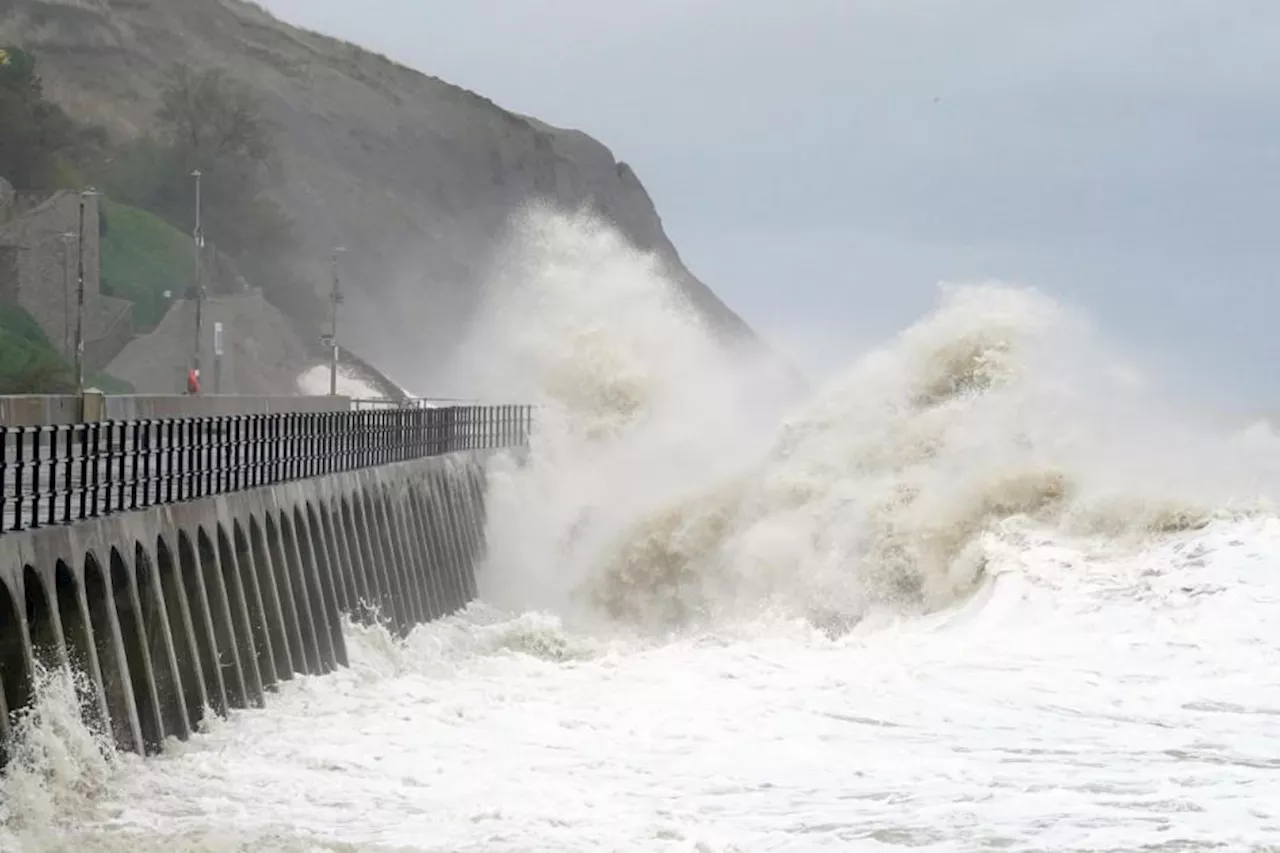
335, 299
89, 193
197, 237
65, 239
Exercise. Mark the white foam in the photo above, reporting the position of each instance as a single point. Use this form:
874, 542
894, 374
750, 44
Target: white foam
315, 382
1051, 718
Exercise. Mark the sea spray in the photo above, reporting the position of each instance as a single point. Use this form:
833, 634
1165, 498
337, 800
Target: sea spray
650, 498
58, 765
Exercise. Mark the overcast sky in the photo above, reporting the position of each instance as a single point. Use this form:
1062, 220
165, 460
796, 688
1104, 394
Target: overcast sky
822, 164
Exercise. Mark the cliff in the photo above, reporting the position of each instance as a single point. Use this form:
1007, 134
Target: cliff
414, 176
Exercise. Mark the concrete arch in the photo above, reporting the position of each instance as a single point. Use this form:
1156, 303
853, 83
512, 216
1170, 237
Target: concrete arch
447, 542
371, 607
345, 581
158, 644
43, 631
376, 537
310, 577
77, 636
203, 632
259, 627
417, 506
393, 562
370, 595
439, 558
277, 624
122, 715
311, 632
241, 630
133, 636
227, 649
410, 570
186, 658
15, 674
280, 571
421, 542
429, 559
327, 572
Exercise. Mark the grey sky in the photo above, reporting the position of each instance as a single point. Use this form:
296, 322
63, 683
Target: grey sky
823, 163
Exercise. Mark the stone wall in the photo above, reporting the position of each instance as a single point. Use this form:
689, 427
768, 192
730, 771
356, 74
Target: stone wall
39, 268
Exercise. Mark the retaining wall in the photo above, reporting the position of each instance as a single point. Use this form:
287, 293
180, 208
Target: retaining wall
178, 610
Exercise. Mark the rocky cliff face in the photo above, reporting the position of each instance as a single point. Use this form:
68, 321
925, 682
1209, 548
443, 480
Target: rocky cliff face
414, 176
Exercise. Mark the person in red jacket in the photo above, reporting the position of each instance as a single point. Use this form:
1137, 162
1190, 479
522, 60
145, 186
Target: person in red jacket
193, 381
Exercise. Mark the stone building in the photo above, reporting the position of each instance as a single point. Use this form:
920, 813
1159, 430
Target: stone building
39, 257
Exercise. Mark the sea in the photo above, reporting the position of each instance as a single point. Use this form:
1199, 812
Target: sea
988, 588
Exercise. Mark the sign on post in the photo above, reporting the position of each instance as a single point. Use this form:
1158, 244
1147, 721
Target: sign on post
217, 339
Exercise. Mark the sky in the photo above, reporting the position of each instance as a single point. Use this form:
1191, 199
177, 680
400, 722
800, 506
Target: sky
823, 164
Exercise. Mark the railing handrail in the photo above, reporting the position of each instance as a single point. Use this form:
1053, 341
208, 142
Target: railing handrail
61, 474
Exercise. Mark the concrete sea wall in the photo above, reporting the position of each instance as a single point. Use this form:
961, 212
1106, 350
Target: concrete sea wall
179, 610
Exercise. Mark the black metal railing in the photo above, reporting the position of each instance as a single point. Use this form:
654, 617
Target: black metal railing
53, 475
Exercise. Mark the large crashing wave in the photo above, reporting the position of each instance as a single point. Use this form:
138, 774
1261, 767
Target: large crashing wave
661, 489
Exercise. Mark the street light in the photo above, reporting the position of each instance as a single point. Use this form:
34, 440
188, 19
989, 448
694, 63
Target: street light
89, 193
65, 239
335, 299
197, 237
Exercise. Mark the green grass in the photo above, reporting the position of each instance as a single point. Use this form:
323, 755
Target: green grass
142, 257
29, 363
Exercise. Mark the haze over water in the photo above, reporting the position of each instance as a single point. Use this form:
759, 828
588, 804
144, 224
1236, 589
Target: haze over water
983, 592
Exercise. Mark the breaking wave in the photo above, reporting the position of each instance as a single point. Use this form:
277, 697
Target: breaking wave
662, 492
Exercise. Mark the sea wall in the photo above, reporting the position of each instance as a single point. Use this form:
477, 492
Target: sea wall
183, 609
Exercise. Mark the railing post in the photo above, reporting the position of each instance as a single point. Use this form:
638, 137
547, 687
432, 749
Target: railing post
68, 452
281, 448
315, 426
369, 427
20, 454
291, 439
133, 449
183, 446
185, 450
384, 437
82, 430
36, 434
95, 469
139, 444
402, 434
52, 477
120, 457
234, 445
104, 451
299, 446
324, 423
